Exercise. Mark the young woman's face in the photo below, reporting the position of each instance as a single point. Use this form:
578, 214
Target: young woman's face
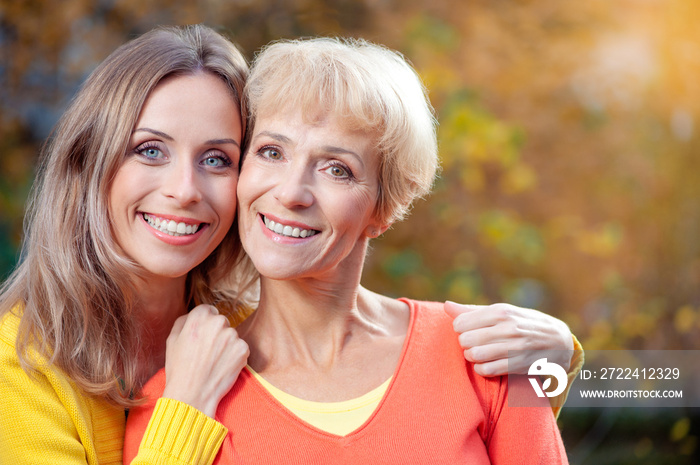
173, 199
307, 195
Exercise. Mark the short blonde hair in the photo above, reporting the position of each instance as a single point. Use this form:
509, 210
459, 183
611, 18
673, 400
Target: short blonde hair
373, 89
74, 284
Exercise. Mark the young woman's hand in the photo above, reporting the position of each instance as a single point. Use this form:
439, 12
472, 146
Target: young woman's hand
203, 358
488, 332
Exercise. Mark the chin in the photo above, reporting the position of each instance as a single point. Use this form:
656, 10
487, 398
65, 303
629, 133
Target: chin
271, 271
164, 271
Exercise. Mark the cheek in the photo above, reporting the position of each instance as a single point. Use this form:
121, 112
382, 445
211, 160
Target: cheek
131, 182
224, 200
250, 183
120, 192
361, 211
364, 204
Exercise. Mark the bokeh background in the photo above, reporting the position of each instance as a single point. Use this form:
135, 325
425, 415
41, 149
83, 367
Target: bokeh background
568, 139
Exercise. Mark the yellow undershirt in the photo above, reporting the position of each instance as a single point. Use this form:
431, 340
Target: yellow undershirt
339, 418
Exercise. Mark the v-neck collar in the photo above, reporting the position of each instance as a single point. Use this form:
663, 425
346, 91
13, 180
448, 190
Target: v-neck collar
396, 381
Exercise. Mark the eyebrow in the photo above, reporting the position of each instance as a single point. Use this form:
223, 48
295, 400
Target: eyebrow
170, 138
326, 148
274, 135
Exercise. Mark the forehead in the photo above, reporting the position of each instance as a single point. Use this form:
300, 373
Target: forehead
192, 102
190, 87
319, 126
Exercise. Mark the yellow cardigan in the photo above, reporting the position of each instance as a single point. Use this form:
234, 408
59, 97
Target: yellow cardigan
47, 420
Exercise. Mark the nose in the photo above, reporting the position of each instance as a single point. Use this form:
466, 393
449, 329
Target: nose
294, 188
181, 183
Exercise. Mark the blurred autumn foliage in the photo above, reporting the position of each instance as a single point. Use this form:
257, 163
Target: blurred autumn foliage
571, 162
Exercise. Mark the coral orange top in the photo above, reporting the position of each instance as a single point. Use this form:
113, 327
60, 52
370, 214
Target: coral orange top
436, 410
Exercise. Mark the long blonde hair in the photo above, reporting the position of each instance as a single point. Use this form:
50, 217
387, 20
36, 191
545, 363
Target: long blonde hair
73, 286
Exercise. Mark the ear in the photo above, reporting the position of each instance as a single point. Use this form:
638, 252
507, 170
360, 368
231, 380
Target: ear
374, 230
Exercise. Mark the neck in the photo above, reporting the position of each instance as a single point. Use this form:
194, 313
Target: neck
311, 321
159, 303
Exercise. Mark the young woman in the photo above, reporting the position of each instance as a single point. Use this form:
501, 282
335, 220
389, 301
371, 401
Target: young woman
129, 227
337, 373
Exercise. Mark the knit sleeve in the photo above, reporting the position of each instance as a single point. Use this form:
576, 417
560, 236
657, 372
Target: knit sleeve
574, 368
36, 427
168, 432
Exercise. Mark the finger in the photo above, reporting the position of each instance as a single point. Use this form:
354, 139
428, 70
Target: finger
481, 316
453, 309
517, 337
226, 345
177, 326
497, 362
204, 309
205, 319
486, 353
488, 315
479, 337
240, 354
494, 368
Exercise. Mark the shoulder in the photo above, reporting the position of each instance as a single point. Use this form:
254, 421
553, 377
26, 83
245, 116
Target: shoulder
10, 323
435, 358
9, 326
31, 371
10, 366
431, 336
431, 316
433, 332
45, 401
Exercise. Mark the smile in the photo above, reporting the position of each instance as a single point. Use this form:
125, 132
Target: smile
172, 228
286, 230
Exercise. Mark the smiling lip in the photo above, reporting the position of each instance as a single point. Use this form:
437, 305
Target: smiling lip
288, 229
173, 230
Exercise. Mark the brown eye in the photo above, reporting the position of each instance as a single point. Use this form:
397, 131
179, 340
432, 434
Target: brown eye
339, 171
271, 153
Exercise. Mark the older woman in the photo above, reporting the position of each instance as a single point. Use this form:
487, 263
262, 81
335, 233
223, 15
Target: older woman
342, 141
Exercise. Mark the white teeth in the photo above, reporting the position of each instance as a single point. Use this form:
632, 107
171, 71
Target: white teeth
289, 231
172, 228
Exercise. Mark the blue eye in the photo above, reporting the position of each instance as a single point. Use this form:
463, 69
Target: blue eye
150, 152
216, 161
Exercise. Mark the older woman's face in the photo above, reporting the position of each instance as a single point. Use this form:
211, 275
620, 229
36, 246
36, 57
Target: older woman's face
307, 193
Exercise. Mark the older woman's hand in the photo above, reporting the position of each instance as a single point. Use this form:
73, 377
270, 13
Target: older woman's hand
203, 358
488, 332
